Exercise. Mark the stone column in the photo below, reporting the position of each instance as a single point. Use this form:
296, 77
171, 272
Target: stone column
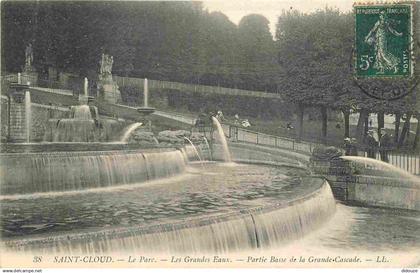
30, 77
326, 162
17, 118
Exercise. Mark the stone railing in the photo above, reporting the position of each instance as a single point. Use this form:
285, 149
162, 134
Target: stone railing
205, 89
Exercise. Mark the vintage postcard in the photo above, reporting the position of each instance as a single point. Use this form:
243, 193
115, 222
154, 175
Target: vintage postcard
210, 134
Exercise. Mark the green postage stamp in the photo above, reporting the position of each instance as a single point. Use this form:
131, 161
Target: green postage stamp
383, 42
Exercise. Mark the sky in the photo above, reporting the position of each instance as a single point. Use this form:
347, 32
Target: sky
271, 9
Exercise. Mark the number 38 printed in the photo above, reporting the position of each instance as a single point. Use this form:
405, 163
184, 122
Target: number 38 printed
365, 61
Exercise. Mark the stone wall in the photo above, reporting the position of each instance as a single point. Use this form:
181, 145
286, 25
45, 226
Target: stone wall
4, 118
40, 116
45, 97
25, 173
117, 110
384, 192
17, 125
195, 101
372, 188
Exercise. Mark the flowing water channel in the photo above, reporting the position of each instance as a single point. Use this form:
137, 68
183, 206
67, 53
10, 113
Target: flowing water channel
217, 210
219, 189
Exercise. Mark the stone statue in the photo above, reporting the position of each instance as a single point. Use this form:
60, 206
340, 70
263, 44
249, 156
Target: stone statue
29, 56
107, 88
106, 64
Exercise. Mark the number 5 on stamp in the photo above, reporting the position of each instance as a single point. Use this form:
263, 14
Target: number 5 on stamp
383, 40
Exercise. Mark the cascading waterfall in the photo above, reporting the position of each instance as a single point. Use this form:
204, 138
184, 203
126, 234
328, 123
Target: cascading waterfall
195, 148
209, 149
80, 127
130, 129
296, 220
81, 112
267, 227
64, 171
69, 130
226, 153
166, 164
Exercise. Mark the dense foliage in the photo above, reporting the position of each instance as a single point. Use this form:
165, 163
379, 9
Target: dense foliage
177, 41
308, 62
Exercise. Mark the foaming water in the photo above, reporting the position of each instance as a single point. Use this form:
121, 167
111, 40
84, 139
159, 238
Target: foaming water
178, 228
195, 148
222, 138
354, 232
80, 127
209, 149
365, 232
67, 171
73, 130
380, 165
81, 112
129, 130
156, 183
191, 154
230, 164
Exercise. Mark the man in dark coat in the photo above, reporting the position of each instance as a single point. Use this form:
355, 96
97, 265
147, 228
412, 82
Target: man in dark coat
347, 146
372, 144
385, 145
353, 147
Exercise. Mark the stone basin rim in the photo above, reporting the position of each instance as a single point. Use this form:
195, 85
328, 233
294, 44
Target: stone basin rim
172, 225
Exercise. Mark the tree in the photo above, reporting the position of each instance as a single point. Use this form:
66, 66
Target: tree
314, 51
257, 63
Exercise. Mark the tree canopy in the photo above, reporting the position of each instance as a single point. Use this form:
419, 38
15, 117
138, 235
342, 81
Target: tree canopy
308, 62
178, 41
315, 52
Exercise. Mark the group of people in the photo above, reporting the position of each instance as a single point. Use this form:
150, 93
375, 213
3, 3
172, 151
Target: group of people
350, 146
373, 145
383, 144
201, 120
244, 123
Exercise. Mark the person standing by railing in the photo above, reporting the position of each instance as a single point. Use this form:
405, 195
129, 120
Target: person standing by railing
372, 144
350, 146
385, 145
353, 150
347, 146
237, 121
220, 116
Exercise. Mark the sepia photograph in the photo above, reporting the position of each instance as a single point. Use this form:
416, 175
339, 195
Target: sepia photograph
237, 134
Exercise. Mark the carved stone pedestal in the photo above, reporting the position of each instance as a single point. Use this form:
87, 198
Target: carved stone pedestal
109, 92
29, 78
107, 89
17, 118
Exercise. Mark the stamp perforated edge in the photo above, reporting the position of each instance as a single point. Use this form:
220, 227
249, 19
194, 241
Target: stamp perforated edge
413, 23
